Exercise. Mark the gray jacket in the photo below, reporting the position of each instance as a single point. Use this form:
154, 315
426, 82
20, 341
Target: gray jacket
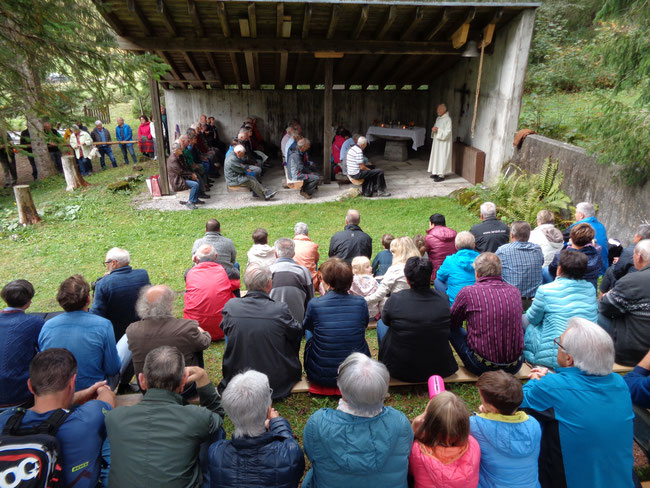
226, 252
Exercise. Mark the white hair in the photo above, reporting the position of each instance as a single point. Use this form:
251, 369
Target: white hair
162, 308
246, 401
590, 346
642, 249
122, 256
257, 277
488, 209
304, 142
301, 229
239, 148
98, 122
362, 140
587, 209
363, 383
465, 240
206, 251
285, 247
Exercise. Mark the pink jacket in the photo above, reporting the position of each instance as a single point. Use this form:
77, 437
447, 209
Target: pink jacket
307, 255
440, 243
430, 472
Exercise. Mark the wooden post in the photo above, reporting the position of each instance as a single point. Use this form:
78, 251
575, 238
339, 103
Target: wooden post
27, 213
327, 121
160, 141
72, 175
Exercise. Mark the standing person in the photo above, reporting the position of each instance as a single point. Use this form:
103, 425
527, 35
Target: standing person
440, 158
54, 140
491, 232
351, 241
8, 160
165, 128
101, 134
145, 137
25, 140
123, 132
82, 144
440, 242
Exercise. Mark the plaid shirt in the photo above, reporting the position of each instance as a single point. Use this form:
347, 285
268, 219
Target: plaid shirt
492, 309
522, 266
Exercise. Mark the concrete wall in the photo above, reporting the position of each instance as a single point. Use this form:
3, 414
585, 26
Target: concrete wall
621, 208
502, 84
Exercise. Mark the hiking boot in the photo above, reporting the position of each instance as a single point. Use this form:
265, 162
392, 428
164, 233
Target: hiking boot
269, 194
305, 195
191, 206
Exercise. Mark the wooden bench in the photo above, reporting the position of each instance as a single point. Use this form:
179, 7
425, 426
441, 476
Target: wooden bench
355, 182
238, 188
292, 184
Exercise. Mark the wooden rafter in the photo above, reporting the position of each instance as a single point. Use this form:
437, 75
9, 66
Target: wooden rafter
404, 70
176, 73
363, 18
215, 70
140, 18
283, 30
417, 19
223, 19
245, 31
334, 19
459, 37
193, 10
189, 59
252, 19
166, 17
110, 18
390, 18
439, 26
279, 19
306, 21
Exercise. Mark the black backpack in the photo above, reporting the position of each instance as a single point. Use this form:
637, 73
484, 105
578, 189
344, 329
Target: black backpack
30, 457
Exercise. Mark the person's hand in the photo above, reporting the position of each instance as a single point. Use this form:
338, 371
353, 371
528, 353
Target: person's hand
200, 329
194, 177
273, 414
197, 375
537, 373
482, 409
89, 393
435, 129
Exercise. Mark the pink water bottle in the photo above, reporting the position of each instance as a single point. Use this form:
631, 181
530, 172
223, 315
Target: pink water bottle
436, 385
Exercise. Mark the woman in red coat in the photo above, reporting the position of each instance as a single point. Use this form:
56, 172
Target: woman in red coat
144, 137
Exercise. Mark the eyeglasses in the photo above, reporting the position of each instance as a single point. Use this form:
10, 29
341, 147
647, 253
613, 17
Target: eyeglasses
556, 341
108, 262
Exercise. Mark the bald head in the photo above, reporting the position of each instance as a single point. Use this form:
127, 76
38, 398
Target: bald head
205, 253
155, 302
352, 217
442, 109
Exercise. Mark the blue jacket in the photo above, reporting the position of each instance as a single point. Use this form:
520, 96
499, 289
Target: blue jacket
590, 419
271, 460
601, 239
18, 346
91, 341
382, 262
555, 303
357, 452
338, 322
594, 263
457, 272
509, 449
638, 381
124, 133
115, 297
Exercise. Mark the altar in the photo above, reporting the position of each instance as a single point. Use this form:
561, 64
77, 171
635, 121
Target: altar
397, 138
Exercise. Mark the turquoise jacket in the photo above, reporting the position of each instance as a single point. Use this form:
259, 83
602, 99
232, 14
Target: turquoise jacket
554, 304
457, 272
357, 452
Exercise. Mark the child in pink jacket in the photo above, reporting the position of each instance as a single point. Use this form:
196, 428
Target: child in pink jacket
444, 454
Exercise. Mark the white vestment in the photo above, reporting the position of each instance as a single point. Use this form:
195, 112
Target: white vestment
440, 159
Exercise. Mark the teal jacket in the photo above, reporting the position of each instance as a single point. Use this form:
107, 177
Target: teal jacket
457, 272
360, 452
554, 304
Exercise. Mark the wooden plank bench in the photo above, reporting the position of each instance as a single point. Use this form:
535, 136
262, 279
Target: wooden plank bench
292, 184
238, 188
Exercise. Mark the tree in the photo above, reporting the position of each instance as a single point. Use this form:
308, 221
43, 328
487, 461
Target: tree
59, 36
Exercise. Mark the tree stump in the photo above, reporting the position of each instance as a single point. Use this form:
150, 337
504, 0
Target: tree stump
27, 213
72, 175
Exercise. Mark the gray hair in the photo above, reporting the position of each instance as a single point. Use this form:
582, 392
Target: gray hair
587, 209
155, 305
353, 217
122, 256
176, 146
164, 368
362, 140
206, 251
239, 148
301, 229
285, 247
98, 122
590, 346
643, 231
520, 230
304, 142
465, 240
363, 383
487, 264
488, 209
191, 132
257, 277
246, 401
642, 249
545, 217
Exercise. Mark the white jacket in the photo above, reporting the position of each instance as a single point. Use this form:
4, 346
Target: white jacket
549, 239
86, 144
392, 282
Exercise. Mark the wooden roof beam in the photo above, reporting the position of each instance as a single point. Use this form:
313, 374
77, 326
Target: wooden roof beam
488, 30
306, 21
417, 19
110, 18
390, 18
180, 79
283, 29
459, 37
196, 21
441, 24
279, 19
140, 18
215, 70
192, 65
166, 17
252, 19
363, 18
223, 19
334, 19
245, 30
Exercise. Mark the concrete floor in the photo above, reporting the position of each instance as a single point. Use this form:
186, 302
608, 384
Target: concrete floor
408, 179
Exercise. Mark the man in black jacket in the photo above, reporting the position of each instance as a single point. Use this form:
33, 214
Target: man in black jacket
261, 334
351, 241
625, 263
624, 311
100, 134
491, 233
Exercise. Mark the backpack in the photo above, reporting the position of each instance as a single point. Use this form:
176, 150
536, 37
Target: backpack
30, 457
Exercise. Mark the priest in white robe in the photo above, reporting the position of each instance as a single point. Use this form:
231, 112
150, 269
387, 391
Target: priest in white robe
440, 159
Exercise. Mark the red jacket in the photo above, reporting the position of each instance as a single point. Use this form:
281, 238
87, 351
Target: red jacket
440, 242
207, 289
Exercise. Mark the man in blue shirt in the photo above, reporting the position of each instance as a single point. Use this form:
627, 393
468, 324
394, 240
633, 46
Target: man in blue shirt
89, 337
585, 212
18, 343
52, 380
586, 413
124, 133
100, 134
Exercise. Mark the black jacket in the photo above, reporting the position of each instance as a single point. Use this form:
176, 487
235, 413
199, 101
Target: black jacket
262, 335
350, 243
96, 137
628, 306
416, 345
490, 234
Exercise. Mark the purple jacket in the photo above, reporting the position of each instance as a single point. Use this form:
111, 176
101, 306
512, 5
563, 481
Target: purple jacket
440, 242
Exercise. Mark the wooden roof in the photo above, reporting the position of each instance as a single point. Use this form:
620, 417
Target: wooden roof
269, 44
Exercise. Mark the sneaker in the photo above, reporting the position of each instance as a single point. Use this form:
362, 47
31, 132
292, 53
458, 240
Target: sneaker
305, 195
269, 194
191, 206
204, 195
438, 179
383, 194
199, 202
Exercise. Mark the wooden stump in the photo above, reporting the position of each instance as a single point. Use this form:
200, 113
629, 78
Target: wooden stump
27, 213
72, 175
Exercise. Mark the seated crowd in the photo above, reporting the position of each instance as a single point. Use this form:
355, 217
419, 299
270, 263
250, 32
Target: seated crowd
491, 295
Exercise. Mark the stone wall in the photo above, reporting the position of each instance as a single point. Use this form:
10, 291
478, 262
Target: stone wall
621, 208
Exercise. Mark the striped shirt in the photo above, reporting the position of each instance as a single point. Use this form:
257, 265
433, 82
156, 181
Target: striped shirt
492, 309
522, 266
354, 160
